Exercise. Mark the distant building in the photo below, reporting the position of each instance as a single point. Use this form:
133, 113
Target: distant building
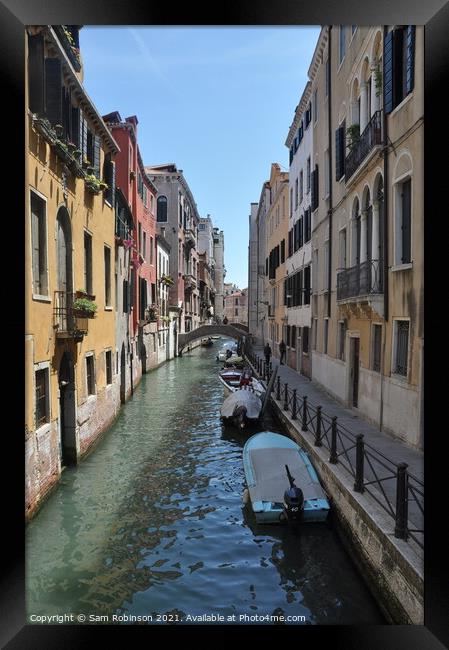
177, 214
220, 273
236, 307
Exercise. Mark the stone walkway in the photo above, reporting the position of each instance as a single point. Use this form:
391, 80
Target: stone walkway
394, 450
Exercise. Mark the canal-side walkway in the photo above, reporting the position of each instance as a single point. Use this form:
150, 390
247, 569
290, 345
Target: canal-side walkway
392, 448
374, 482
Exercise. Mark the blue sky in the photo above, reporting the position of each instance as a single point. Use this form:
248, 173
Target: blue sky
216, 101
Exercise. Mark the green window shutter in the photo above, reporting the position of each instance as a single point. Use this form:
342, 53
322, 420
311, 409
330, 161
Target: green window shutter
96, 160
53, 91
36, 76
410, 62
388, 73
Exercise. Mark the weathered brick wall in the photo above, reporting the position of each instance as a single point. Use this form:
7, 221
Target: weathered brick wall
96, 414
42, 465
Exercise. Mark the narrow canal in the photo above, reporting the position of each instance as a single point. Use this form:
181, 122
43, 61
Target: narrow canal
151, 523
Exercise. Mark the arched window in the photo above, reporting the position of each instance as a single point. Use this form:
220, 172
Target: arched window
162, 208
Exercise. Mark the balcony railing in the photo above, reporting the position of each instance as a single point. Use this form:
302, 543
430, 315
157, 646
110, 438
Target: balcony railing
360, 280
66, 323
371, 136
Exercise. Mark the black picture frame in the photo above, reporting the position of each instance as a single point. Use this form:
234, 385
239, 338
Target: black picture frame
434, 14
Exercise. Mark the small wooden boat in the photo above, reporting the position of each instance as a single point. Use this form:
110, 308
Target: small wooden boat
282, 483
242, 408
231, 378
206, 343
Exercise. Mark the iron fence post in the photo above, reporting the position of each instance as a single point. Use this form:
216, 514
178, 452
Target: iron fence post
333, 457
359, 458
400, 529
294, 405
278, 391
286, 397
304, 413
318, 442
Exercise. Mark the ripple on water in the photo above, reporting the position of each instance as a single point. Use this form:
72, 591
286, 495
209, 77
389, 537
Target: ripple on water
152, 521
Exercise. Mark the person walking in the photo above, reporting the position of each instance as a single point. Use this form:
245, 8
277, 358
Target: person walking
267, 353
282, 349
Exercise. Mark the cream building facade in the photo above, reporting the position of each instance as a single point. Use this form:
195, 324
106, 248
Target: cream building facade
368, 230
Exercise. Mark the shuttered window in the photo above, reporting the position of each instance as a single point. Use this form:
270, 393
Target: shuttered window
290, 242
307, 225
88, 263
36, 77
307, 285
162, 208
406, 215
305, 340
39, 244
107, 275
340, 149
398, 65
300, 233
282, 251
108, 359
90, 374
109, 179
53, 91
42, 397
315, 188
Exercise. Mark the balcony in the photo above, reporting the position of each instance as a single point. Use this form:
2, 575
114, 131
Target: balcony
370, 138
67, 41
68, 322
189, 282
359, 281
190, 239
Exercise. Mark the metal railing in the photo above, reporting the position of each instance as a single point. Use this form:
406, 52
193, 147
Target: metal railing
371, 136
360, 280
398, 492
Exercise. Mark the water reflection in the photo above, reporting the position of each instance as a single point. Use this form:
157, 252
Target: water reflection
152, 522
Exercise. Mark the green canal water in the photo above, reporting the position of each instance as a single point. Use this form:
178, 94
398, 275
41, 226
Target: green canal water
151, 524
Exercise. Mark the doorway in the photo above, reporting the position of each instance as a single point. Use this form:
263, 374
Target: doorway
67, 411
123, 375
354, 373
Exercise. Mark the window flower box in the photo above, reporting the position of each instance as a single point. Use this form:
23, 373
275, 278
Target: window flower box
84, 308
80, 293
167, 279
42, 126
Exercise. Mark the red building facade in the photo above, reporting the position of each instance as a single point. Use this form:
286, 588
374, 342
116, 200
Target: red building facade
140, 194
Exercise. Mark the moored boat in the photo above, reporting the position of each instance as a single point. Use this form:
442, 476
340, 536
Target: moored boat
242, 408
282, 482
231, 378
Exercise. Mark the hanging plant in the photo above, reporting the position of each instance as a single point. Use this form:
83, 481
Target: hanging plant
127, 243
353, 135
377, 77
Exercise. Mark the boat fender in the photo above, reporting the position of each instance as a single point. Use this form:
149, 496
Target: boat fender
245, 496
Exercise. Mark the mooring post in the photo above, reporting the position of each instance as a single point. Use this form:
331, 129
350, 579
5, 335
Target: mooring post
278, 391
294, 405
400, 529
286, 397
317, 441
359, 458
333, 457
304, 413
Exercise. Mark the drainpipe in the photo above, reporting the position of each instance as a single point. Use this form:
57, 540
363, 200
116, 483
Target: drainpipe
329, 101
385, 253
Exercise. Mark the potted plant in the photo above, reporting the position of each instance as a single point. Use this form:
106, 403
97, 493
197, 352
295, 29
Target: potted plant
167, 279
353, 135
59, 130
84, 308
103, 186
80, 293
152, 314
92, 183
77, 154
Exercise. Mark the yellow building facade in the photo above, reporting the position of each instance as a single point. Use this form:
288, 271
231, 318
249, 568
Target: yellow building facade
72, 385
277, 236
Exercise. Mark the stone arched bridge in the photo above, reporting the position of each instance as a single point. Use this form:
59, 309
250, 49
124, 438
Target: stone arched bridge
235, 331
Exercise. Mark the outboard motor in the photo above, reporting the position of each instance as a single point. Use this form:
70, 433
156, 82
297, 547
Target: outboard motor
239, 416
293, 500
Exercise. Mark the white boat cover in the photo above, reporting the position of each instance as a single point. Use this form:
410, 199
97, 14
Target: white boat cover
242, 398
271, 475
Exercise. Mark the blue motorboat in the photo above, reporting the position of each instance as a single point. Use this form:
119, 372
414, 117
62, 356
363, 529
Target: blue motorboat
282, 483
